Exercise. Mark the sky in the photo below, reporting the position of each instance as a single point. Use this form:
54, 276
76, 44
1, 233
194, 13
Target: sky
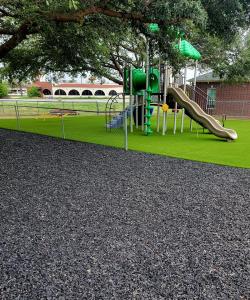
190, 74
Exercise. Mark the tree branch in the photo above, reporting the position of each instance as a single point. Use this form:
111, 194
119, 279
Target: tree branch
6, 13
17, 37
79, 15
6, 31
117, 66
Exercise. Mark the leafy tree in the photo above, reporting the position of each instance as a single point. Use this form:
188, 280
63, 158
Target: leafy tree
34, 92
239, 69
101, 37
3, 90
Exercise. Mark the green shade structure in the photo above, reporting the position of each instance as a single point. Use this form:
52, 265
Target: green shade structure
153, 27
187, 50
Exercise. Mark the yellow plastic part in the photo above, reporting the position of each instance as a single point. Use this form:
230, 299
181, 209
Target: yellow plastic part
165, 107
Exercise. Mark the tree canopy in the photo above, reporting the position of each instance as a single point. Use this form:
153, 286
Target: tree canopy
101, 37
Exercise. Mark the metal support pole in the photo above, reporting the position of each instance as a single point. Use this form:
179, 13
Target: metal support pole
195, 76
131, 100
62, 127
166, 82
170, 76
143, 111
18, 114
136, 112
175, 117
158, 107
147, 75
17, 117
97, 107
191, 125
185, 79
123, 101
166, 122
125, 128
182, 119
158, 114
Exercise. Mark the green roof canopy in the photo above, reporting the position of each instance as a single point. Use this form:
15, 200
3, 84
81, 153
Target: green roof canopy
187, 50
153, 27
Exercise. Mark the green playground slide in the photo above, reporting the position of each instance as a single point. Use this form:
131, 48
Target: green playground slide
197, 114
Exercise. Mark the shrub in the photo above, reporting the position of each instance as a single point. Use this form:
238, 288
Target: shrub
3, 90
34, 92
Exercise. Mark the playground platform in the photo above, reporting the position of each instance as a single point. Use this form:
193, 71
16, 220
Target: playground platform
82, 221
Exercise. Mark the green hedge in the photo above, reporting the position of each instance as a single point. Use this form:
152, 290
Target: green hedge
3, 90
34, 92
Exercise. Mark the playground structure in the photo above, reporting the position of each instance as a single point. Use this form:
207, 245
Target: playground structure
141, 85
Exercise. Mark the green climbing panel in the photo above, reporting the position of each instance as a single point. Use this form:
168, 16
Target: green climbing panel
139, 81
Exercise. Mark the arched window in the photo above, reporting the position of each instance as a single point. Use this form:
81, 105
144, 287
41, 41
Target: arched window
60, 92
87, 93
46, 92
112, 93
99, 93
74, 93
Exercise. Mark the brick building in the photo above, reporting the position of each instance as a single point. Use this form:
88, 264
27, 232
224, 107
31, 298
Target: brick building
223, 98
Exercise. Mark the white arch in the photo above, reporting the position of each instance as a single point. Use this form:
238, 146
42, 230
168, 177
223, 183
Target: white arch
60, 92
99, 93
74, 92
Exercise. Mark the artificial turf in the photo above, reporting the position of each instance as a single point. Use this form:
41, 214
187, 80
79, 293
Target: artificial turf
194, 145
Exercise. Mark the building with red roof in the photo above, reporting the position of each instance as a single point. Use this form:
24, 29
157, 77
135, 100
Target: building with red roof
78, 89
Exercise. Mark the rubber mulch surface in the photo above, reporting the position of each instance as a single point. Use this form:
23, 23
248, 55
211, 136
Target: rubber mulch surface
82, 221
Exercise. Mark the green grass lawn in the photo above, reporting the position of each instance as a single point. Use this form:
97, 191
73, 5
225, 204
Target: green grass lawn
194, 145
28, 109
69, 104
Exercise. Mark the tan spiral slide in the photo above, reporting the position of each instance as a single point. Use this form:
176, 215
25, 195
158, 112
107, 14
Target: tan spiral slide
200, 116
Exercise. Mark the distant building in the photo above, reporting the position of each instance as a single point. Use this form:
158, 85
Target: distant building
224, 98
78, 89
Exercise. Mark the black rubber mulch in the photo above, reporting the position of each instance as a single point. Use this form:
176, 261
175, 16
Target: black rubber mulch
82, 221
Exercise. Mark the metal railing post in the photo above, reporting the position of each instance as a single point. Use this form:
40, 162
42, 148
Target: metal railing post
182, 119
158, 114
97, 107
62, 127
136, 113
125, 125
131, 99
17, 117
175, 117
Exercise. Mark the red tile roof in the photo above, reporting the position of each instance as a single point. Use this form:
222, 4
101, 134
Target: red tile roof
43, 85
88, 85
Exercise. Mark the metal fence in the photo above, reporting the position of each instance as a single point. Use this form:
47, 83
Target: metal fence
74, 120
234, 109
230, 108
